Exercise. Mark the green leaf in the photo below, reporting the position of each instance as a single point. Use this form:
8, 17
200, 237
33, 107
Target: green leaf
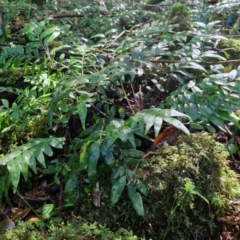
176, 123
5, 103
4, 185
232, 75
136, 199
142, 188
132, 162
15, 111
212, 54
132, 153
117, 189
164, 114
106, 144
47, 209
192, 111
196, 126
217, 121
47, 150
169, 113
149, 120
94, 154
48, 32
121, 171
157, 125
49, 39
224, 115
232, 148
210, 128
21, 158
110, 160
82, 112
194, 65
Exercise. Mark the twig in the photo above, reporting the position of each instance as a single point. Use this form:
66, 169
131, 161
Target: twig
233, 36
207, 63
148, 153
130, 106
98, 110
123, 32
63, 15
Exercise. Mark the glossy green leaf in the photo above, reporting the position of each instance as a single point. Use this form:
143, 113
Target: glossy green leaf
117, 189
212, 54
50, 38
106, 144
130, 174
82, 113
124, 132
196, 126
132, 162
223, 115
109, 159
232, 148
47, 150
232, 75
157, 125
210, 128
217, 121
142, 188
121, 171
227, 106
195, 65
176, 123
136, 199
149, 120
48, 31
192, 111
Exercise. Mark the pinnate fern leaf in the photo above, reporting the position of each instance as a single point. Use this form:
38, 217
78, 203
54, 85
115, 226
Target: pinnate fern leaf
24, 157
155, 116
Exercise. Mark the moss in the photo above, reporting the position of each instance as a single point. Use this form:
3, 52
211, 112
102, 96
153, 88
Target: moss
196, 161
11, 78
179, 14
79, 230
189, 185
232, 47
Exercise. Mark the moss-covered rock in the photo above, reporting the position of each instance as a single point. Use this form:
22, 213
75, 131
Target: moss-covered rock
189, 185
179, 14
231, 48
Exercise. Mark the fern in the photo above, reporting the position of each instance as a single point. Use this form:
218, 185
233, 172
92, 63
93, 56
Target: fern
155, 117
23, 157
214, 100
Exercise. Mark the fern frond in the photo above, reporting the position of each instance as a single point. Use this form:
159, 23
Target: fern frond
155, 116
21, 158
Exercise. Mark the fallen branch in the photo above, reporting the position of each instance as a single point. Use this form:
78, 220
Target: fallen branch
63, 15
206, 63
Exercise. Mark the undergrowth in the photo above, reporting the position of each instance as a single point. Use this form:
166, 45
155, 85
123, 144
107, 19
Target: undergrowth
189, 185
74, 231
